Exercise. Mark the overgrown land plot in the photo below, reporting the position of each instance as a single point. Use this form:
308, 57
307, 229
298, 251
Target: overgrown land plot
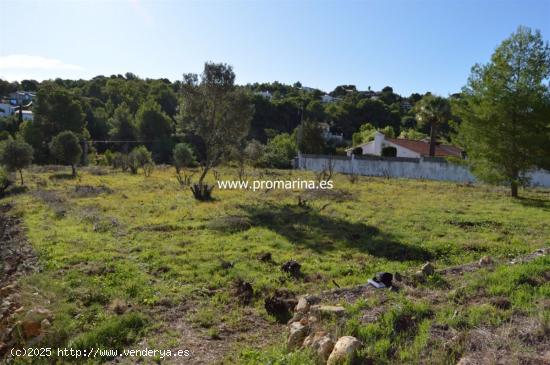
127, 261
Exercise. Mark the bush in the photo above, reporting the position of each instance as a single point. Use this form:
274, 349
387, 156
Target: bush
183, 156
279, 152
120, 161
140, 157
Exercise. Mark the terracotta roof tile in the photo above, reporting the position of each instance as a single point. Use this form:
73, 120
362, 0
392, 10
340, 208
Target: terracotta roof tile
423, 148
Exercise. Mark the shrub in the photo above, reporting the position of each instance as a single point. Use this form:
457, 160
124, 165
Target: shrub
120, 161
15, 155
280, 151
183, 156
140, 157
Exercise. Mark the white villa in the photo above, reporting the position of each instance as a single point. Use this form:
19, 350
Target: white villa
400, 147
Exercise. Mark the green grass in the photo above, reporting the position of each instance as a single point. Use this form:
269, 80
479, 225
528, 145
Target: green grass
148, 243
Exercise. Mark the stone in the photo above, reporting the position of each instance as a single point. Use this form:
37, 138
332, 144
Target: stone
297, 334
385, 278
324, 348
485, 261
428, 269
344, 351
4, 291
321, 343
302, 306
292, 267
45, 324
296, 317
328, 310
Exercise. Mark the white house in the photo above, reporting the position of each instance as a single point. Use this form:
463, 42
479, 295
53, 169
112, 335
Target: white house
7, 110
328, 135
265, 94
401, 147
326, 98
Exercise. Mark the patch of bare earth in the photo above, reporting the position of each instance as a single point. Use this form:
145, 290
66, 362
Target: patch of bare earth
252, 330
17, 259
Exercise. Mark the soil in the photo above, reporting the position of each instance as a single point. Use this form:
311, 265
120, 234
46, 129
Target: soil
17, 259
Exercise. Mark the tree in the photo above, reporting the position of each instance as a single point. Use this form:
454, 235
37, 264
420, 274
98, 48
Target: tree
432, 111
505, 109
310, 138
123, 126
66, 149
155, 128
218, 113
16, 155
56, 110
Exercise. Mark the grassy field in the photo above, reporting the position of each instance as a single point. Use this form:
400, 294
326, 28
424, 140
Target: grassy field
127, 260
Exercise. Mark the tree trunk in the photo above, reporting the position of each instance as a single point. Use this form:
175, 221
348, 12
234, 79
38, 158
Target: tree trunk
21, 175
74, 170
432, 139
514, 189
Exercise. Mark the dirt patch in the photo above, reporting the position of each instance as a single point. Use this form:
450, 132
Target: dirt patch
17, 259
87, 191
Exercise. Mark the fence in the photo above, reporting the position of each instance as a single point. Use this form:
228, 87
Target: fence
430, 168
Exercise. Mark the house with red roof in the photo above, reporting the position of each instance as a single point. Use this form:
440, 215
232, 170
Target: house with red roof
383, 145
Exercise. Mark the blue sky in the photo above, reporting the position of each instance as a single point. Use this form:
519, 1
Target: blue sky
413, 45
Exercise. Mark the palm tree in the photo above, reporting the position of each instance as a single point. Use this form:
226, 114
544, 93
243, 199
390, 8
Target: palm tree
433, 111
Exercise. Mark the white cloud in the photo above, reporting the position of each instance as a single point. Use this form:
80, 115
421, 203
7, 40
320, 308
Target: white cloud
27, 62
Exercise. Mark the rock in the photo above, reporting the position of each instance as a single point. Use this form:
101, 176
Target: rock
31, 329
265, 257
485, 261
328, 310
465, 361
243, 291
302, 306
297, 334
385, 278
6, 290
321, 343
296, 317
292, 267
324, 349
428, 269
279, 305
312, 319
344, 351
419, 276
45, 324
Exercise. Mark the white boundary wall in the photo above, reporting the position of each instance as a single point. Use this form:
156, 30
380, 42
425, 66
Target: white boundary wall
412, 168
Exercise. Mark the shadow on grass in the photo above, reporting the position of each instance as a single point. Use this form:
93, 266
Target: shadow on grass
15, 190
62, 176
308, 228
534, 202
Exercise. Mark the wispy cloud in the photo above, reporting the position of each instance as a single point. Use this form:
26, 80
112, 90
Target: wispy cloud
28, 62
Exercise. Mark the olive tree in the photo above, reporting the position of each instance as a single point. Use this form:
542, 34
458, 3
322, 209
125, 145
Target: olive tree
16, 155
218, 113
